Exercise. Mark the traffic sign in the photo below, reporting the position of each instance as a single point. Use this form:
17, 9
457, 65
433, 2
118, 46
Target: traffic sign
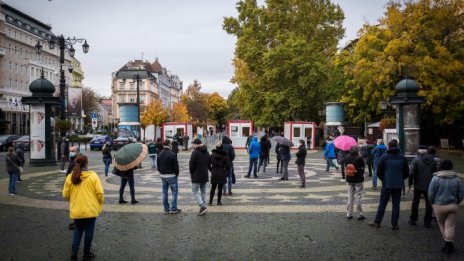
93, 115
94, 122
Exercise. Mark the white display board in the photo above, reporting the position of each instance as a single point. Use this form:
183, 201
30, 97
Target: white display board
301, 130
238, 131
169, 129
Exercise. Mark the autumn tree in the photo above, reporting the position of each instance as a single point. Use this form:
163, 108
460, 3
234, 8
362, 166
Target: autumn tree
421, 38
90, 103
155, 114
196, 102
218, 108
179, 112
282, 55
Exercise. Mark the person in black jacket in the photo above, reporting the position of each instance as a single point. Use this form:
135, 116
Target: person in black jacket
168, 167
20, 153
219, 166
229, 149
264, 155
300, 162
200, 163
355, 183
278, 152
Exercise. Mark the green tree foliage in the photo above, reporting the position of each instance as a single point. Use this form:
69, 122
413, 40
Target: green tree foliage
282, 57
424, 38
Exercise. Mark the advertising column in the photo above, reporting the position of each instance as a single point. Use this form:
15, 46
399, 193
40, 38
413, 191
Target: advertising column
37, 123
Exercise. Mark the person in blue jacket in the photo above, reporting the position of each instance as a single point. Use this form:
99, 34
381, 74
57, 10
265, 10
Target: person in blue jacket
377, 153
329, 154
254, 149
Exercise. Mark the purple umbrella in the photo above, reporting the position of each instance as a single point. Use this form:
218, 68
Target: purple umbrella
344, 142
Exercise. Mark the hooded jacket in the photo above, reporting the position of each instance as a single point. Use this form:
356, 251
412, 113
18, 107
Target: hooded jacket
167, 162
329, 150
254, 149
359, 164
86, 198
200, 163
377, 153
446, 188
393, 169
219, 166
229, 149
421, 171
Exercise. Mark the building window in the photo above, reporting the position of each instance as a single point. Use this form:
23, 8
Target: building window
121, 85
131, 85
121, 99
132, 99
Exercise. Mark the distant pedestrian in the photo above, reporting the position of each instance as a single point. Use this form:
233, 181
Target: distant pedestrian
329, 155
285, 156
20, 153
159, 146
107, 158
392, 170
13, 167
278, 151
269, 147
354, 179
127, 176
220, 165
377, 153
185, 139
168, 167
152, 154
64, 153
248, 141
445, 193
84, 192
300, 162
264, 155
73, 153
199, 165
254, 150
432, 151
230, 151
366, 153
421, 172
175, 146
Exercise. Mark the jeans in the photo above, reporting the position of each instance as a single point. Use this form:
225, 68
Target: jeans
385, 195
169, 183
86, 225
355, 193
285, 165
12, 183
153, 158
107, 162
374, 176
254, 166
330, 163
123, 186
415, 206
199, 193
262, 162
228, 186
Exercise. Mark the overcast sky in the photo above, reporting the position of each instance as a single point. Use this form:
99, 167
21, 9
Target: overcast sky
186, 35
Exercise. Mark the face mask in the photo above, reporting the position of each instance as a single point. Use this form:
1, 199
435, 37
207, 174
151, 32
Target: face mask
72, 154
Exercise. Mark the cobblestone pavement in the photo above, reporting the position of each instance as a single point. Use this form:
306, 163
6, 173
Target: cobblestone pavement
265, 219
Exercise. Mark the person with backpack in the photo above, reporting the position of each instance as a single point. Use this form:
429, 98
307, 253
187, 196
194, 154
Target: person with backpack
377, 153
354, 175
106, 152
152, 154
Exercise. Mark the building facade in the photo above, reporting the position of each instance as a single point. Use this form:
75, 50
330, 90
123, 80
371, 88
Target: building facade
20, 64
77, 76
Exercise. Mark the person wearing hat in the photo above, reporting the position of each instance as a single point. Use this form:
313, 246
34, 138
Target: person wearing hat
421, 172
199, 165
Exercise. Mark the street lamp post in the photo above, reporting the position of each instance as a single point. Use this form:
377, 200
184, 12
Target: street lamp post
137, 78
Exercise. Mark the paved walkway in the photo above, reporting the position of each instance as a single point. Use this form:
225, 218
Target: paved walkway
265, 219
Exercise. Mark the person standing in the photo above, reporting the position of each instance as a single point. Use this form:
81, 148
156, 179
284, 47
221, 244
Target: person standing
175, 146
127, 176
168, 167
285, 157
421, 172
278, 151
64, 153
300, 162
230, 151
445, 193
185, 139
73, 153
341, 156
392, 170
84, 192
264, 155
377, 153
20, 153
354, 179
329, 155
152, 154
220, 164
248, 141
107, 158
269, 147
13, 167
254, 150
199, 164
366, 154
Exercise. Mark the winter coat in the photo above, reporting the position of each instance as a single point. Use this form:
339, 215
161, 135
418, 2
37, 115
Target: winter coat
393, 169
175, 146
200, 163
152, 148
20, 153
342, 155
106, 151
445, 188
329, 150
359, 164
229, 149
265, 148
219, 166
421, 171
254, 149
167, 162
377, 153
278, 151
12, 163
301, 155
159, 147
285, 153
65, 149
86, 198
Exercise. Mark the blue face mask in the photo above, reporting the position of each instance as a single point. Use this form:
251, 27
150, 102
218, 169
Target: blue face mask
72, 154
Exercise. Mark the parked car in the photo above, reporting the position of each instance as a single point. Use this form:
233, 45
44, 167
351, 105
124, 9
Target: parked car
98, 141
25, 141
6, 141
119, 142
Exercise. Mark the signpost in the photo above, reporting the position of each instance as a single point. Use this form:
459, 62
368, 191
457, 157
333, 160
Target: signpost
93, 115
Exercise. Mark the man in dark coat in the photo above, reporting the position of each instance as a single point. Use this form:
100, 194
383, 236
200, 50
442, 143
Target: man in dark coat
185, 139
392, 170
420, 174
264, 155
200, 163
168, 167
300, 162
230, 151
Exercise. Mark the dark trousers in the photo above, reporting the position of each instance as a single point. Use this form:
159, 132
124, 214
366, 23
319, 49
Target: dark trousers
415, 206
281, 166
253, 166
213, 191
385, 195
86, 225
124, 181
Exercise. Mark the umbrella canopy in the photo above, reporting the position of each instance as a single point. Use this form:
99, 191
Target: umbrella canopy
283, 141
344, 142
130, 156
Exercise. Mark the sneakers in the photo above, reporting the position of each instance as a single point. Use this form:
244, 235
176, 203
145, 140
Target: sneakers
349, 217
202, 211
373, 224
12, 194
175, 211
19, 180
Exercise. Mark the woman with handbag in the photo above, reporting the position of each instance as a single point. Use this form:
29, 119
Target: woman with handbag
13, 167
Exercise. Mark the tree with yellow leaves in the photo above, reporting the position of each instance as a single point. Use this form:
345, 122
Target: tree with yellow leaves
218, 108
155, 114
179, 112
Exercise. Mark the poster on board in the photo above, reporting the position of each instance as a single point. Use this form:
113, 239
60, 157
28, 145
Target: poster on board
74, 102
37, 122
